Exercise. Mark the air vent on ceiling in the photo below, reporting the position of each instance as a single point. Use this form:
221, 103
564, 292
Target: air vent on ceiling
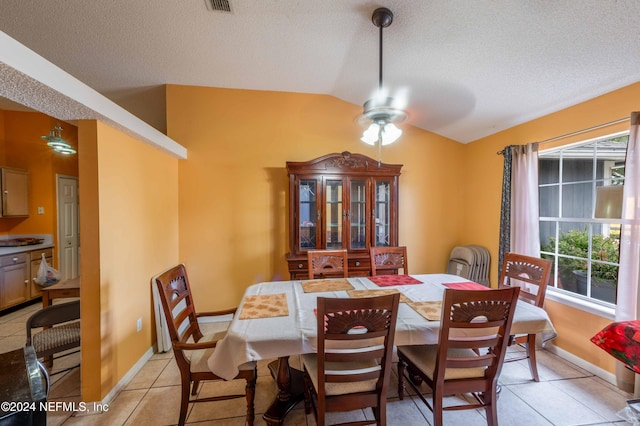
218, 5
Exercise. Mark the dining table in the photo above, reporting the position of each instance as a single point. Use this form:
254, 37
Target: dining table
62, 289
276, 320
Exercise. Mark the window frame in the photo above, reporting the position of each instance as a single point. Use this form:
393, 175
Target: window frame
574, 299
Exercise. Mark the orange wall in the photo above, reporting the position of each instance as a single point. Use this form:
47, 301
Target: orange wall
234, 187
483, 180
129, 232
21, 146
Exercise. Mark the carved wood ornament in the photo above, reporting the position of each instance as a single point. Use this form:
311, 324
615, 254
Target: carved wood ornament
370, 319
328, 263
524, 270
390, 259
492, 310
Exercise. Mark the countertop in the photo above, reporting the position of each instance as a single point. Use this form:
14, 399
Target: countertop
21, 249
47, 243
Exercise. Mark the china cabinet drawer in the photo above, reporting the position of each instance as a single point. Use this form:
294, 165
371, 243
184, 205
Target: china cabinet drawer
359, 266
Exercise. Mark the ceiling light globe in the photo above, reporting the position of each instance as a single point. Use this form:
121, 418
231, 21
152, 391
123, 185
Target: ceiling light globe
390, 134
370, 136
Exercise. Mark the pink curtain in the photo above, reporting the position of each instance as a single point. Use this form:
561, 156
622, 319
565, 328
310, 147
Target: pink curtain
629, 272
525, 221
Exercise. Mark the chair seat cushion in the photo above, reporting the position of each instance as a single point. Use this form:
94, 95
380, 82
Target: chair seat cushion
310, 362
200, 357
61, 336
424, 358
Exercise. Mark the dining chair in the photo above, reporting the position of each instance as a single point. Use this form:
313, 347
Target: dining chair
389, 259
531, 274
474, 332
352, 366
323, 263
54, 330
191, 348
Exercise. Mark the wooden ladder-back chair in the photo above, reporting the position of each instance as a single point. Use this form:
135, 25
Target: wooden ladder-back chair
60, 331
474, 322
531, 274
388, 259
352, 367
332, 263
191, 348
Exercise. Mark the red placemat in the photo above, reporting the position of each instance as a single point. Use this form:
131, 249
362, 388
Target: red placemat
467, 285
389, 280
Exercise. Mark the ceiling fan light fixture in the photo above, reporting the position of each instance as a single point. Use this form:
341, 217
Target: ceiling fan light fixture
55, 141
385, 133
376, 109
370, 136
390, 134
379, 113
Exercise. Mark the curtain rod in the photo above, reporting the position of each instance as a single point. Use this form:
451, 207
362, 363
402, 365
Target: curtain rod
577, 132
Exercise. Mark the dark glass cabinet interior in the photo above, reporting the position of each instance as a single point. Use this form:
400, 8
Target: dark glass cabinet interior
341, 201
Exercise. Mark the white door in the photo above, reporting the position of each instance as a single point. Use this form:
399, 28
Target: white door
68, 228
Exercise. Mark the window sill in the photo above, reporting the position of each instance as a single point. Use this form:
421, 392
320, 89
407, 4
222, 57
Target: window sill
583, 305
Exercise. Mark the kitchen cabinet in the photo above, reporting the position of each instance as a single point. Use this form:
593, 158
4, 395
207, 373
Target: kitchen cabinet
15, 192
35, 259
14, 280
339, 201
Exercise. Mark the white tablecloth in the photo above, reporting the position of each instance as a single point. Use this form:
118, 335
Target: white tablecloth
269, 338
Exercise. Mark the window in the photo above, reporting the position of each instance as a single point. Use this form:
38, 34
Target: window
584, 249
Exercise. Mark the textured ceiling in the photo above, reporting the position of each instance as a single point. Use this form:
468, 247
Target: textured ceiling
467, 69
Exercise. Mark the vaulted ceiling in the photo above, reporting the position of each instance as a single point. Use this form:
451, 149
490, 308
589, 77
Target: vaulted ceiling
466, 68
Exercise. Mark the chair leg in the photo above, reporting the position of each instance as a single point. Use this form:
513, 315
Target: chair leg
531, 354
48, 361
437, 407
184, 402
491, 407
401, 385
321, 412
194, 388
307, 393
381, 411
250, 391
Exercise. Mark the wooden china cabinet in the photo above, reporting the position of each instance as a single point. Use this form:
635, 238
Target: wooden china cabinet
341, 200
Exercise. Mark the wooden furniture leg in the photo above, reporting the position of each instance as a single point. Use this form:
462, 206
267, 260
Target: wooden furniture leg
290, 383
46, 301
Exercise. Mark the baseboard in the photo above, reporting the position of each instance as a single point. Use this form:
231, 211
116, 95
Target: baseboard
215, 318
594, 369
122, 383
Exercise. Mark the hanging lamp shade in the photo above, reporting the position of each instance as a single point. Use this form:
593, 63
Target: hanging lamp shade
55, 141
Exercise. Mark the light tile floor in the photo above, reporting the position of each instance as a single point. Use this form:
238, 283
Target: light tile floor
565, 395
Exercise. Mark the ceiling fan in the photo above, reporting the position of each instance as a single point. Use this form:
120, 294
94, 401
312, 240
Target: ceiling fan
381, 113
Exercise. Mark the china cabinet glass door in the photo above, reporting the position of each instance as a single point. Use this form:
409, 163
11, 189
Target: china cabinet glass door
358, 214
308, 214
382, 213
334, 214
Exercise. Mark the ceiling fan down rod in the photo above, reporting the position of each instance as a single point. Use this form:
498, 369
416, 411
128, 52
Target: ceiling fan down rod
381, 18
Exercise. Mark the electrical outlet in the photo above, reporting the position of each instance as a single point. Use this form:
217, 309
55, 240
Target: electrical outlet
139, 325
40, 210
